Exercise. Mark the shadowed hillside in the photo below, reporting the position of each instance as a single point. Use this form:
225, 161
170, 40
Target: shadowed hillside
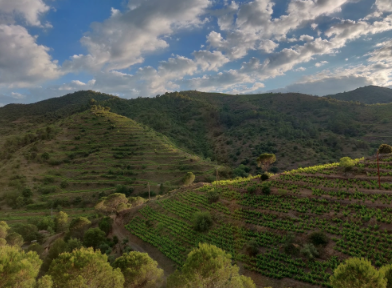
369, 95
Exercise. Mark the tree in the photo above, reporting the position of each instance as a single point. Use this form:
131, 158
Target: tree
265, 160
105, 224
139, 270
387, 271
357, 273
385, 149
94, 237
29, 232
188, 178
61, 221
37, 248
202, 221
14, 239
59, 246
111, 203
309, 251
3, 229
17, 268
85, 268
45, 282
209, 266
212, 196
78, 226
347, 163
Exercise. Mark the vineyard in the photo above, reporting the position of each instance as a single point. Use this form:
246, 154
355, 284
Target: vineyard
93, 154
349, 206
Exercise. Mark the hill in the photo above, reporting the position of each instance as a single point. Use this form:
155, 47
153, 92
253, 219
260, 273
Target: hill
234, 129
368, 95
78, 159
349, 208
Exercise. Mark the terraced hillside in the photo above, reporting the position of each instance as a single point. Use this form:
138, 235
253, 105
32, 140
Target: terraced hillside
79, 159
348, 205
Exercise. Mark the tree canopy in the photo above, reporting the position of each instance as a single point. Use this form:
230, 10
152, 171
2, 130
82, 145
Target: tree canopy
61, 221
84, 268
17, 268
94, 237
189, 178
385, 149
265, 160
357, 273
113, 203
209, 266
139, 270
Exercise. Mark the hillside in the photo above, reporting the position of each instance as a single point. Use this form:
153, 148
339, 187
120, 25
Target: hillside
348, 207
78, 159
368, 95
235, 129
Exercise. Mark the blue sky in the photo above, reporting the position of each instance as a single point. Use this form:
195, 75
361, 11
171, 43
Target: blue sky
132, 48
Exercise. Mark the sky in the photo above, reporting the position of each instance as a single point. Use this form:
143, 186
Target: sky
133, 48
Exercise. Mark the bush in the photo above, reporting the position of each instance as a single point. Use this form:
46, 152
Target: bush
252, 248
264, 176
251, 189
202, 221
212, 196
318, 238
309, 251
266, 190
385, 149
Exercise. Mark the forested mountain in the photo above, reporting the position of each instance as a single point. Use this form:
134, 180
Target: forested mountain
368, 94
300, 129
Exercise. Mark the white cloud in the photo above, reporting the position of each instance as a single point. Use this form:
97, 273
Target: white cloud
210, 60
306, 38
300, 69
384, 5
30, 10
268, 46
23, 62
319, 64
17, 95
122, 40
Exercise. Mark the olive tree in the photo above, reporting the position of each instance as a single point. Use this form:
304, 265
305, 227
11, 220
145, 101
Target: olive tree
139, 270
189, 178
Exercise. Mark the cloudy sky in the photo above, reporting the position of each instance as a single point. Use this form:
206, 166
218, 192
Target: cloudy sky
134, 48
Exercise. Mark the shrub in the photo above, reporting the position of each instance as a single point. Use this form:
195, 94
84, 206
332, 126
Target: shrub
264, 176
266, 190
202, 221
252, 248
251, 189
385, 149
318, 238
189, 178
64, 184
212, 196
309, 251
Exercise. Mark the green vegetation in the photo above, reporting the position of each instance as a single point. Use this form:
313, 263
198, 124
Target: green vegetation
209, 266
139, 270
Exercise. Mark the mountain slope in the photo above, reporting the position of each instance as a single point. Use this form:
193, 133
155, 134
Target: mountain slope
368, 95
348, 207
88, 155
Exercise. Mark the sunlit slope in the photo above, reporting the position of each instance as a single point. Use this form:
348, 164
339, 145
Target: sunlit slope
92, 154
348, 206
